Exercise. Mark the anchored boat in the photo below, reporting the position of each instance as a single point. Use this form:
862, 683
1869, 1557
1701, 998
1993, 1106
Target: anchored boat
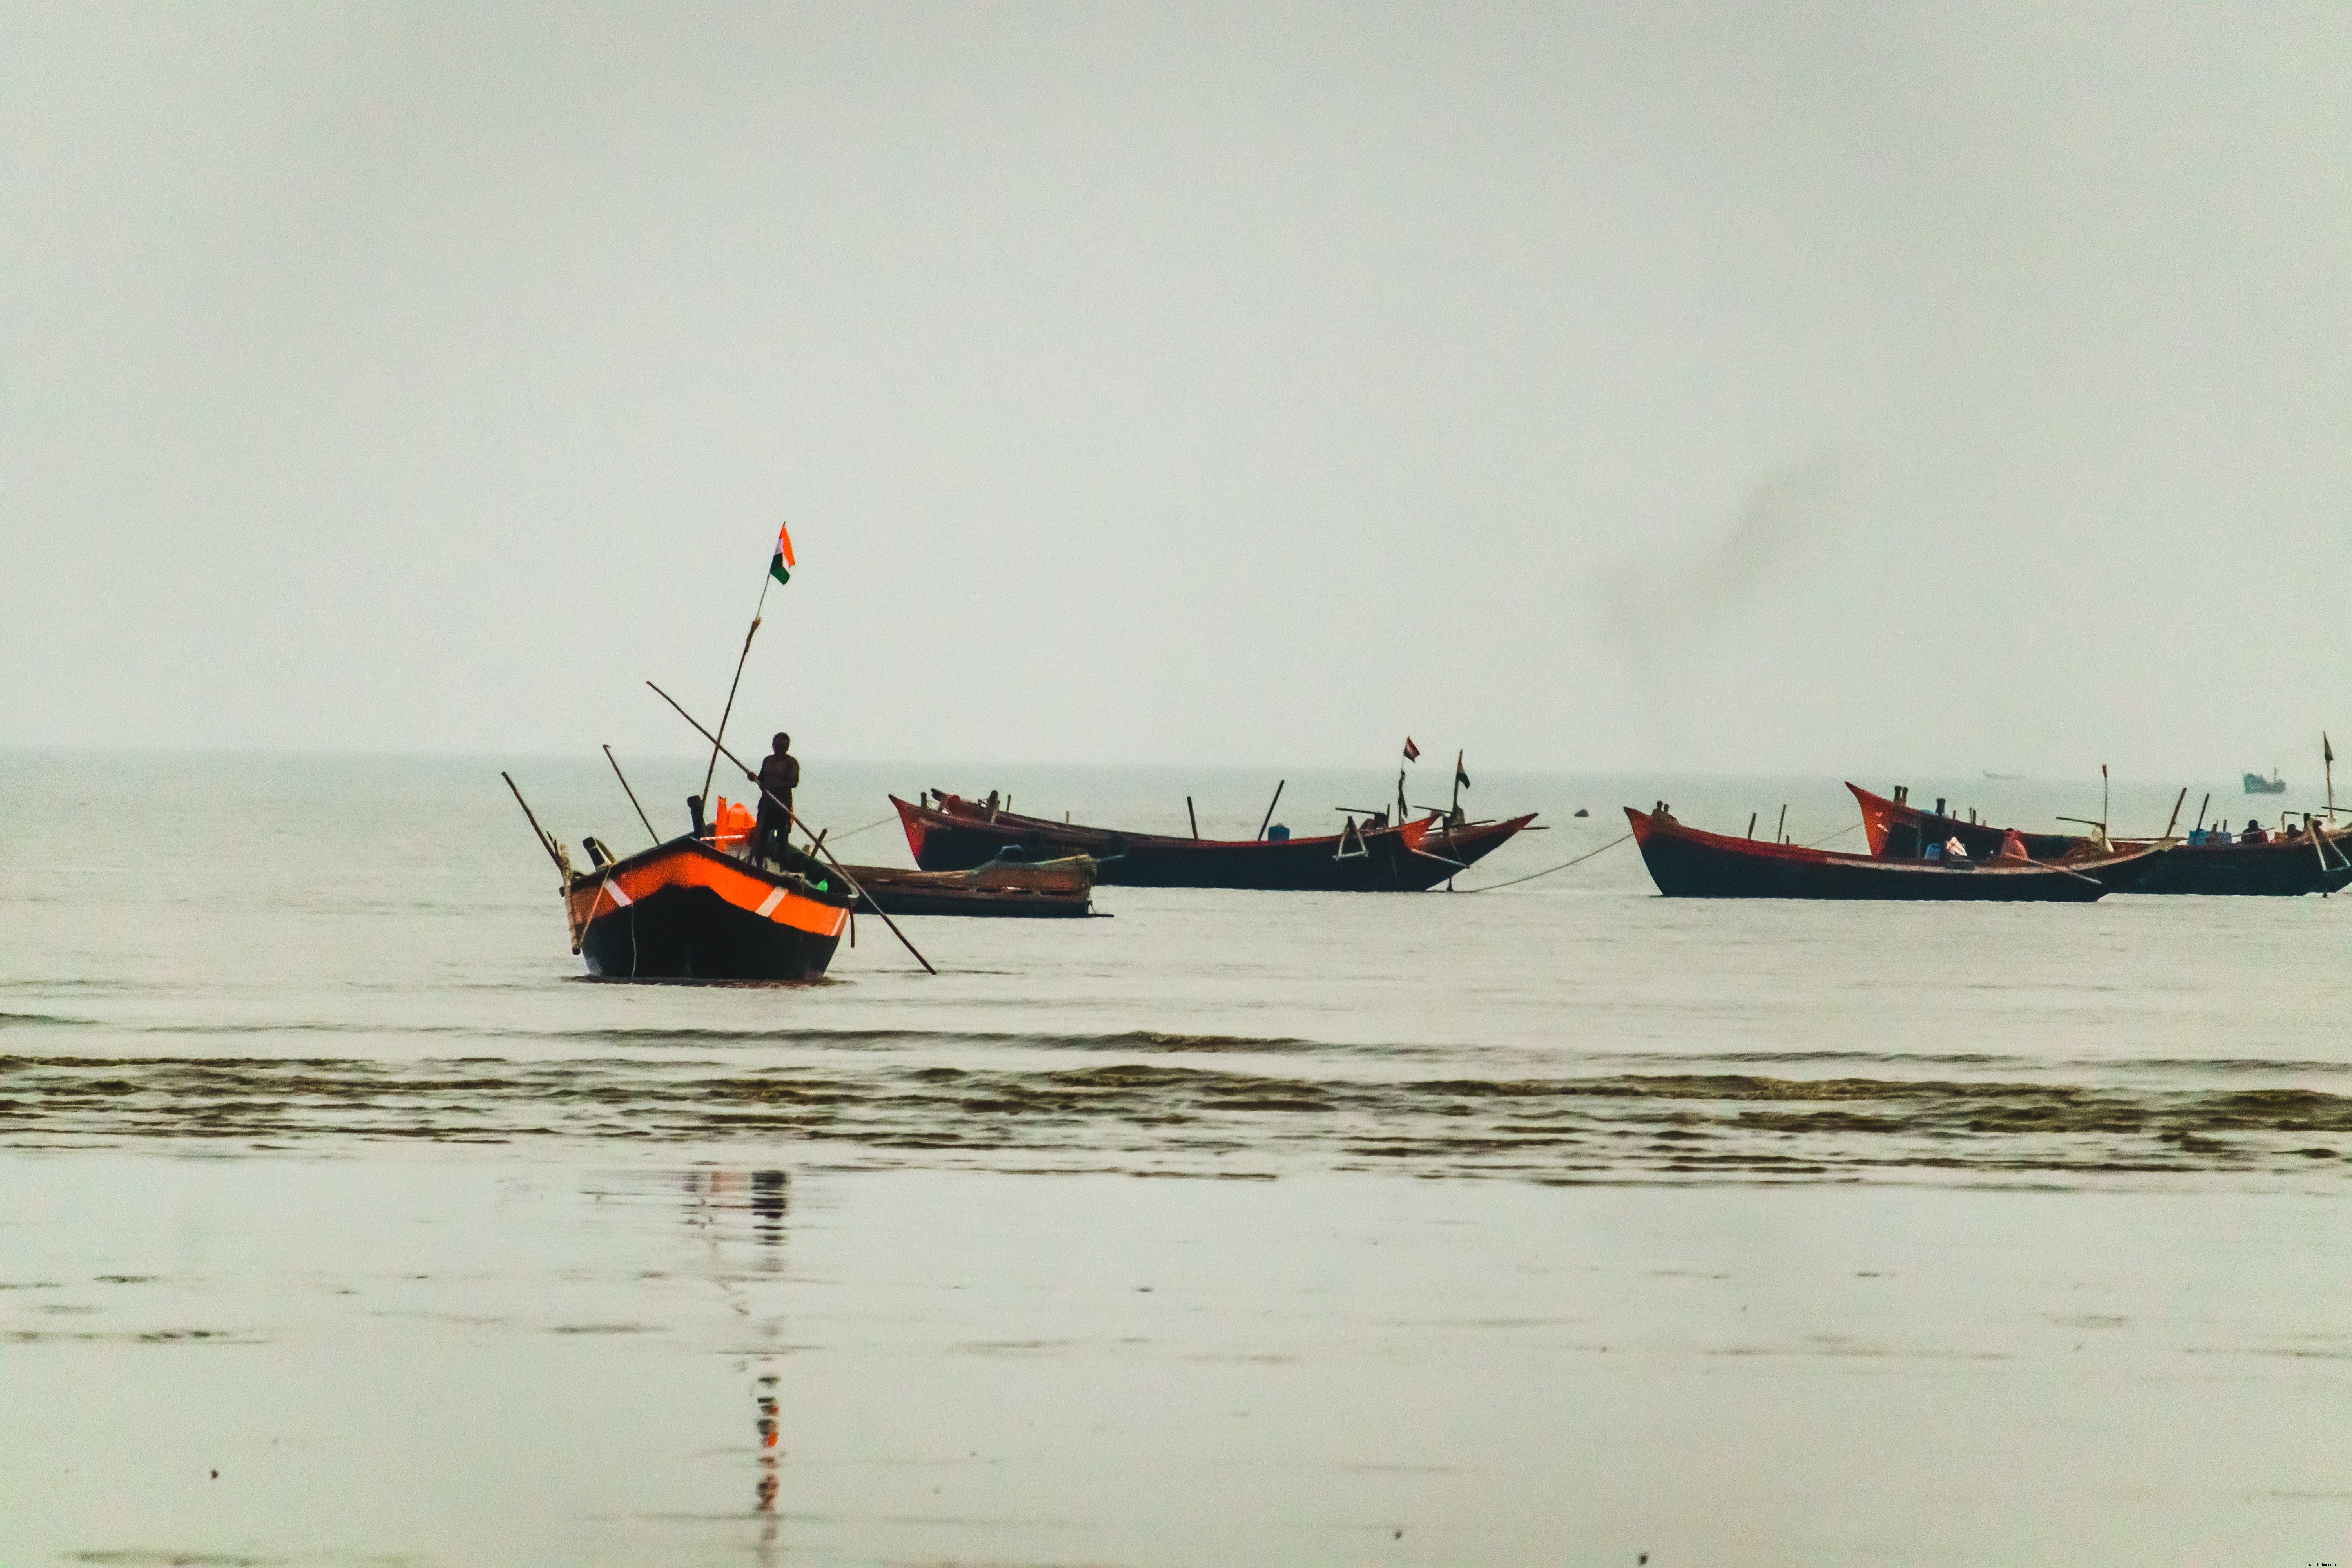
2312, 862
958, 834
1687, 863
1051, 890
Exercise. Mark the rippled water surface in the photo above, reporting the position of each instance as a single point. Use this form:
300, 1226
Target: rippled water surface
1557, 1221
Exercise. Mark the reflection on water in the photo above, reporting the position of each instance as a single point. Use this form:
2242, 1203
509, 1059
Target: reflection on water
765, 1194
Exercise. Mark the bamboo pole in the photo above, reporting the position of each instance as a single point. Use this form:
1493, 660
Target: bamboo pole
631, 794
538, 832
1277, 800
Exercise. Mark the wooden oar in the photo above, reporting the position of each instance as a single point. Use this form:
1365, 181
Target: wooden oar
792, 821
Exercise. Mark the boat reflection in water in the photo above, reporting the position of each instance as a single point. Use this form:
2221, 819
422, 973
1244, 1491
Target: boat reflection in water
766, 1196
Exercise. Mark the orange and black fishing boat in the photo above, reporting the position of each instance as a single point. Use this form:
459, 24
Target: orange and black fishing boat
698, 907
1687, 863
2310, 862
688, 910
958, 835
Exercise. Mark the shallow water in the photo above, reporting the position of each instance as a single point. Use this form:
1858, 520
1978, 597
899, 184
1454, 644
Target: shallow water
318, 1154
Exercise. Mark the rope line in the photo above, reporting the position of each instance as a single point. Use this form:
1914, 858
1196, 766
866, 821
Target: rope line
868, 828
1550, 869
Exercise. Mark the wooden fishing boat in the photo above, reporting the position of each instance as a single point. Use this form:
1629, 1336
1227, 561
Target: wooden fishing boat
688, 909
1687, 863
958, 834
1051, 890
2315, 862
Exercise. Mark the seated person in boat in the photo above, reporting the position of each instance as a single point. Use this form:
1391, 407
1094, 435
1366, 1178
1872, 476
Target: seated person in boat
780, 775
2013, 846
2253, 833
2294, 831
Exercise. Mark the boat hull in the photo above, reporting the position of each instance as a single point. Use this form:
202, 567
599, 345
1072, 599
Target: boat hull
962, 835
2279, 869
1060, 889
1686, 863
683, 910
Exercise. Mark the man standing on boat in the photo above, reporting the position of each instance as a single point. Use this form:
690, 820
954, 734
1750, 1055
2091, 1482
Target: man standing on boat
780, 775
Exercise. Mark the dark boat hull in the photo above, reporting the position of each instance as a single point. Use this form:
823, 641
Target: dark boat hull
683, 910
1686, 863
1389, 859
2279, 869
1000, 892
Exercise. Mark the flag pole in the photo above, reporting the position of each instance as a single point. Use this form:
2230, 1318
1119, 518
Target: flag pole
710, 771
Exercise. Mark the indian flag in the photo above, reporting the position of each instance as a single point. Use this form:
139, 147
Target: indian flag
779, 566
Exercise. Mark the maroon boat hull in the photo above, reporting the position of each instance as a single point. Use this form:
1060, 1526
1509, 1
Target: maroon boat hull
962, 835
2316, 863
1687, 863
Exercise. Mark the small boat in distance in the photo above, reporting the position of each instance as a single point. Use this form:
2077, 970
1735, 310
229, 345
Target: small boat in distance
1989, 773
2257, 785
1687, 863
958, 834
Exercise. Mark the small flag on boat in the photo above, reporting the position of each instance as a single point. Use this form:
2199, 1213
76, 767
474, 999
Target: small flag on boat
1412, 751
781, 565
1460, 777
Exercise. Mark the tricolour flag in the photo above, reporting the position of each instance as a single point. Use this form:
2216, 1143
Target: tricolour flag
1461, 778
1412, 751
781, 566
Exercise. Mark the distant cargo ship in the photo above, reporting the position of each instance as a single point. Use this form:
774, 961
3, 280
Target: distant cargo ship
2257, 785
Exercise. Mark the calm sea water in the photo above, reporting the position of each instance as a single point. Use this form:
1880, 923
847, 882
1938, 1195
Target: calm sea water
1559, 1221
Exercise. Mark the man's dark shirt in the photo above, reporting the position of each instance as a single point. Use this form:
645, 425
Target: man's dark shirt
778, 776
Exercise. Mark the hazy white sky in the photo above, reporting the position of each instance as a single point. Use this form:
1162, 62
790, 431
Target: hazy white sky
1743, 387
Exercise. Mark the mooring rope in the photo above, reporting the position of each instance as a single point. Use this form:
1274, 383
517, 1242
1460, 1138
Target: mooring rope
1550, 869
868, 828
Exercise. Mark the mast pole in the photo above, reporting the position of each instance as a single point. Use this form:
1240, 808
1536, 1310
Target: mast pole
708, 773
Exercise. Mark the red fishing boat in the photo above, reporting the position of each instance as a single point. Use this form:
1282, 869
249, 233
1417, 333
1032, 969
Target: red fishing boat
2312, 862
958, 835
1687, 863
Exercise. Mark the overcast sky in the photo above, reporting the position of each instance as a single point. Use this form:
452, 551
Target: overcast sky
1797, 387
